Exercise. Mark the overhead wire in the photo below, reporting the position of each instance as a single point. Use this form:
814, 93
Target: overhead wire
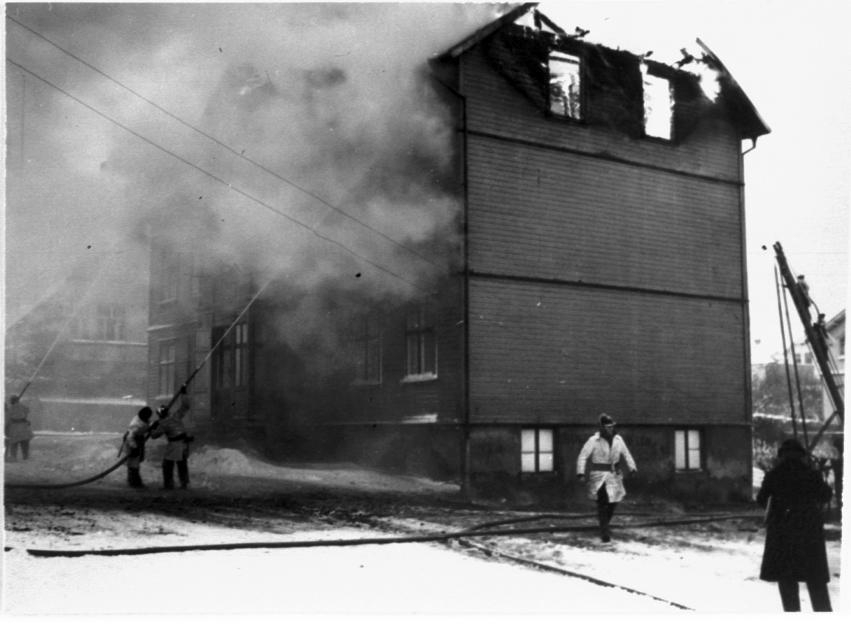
225, 146
224, 182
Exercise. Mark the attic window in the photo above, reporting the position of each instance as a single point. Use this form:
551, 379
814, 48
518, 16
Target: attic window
565, 83
658, 106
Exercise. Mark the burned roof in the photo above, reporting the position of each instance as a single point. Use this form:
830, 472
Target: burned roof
521, 53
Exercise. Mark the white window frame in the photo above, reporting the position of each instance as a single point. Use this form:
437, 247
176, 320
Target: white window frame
688, 450
537, 450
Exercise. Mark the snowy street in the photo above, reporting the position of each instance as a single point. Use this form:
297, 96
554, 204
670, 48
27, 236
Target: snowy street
710, 566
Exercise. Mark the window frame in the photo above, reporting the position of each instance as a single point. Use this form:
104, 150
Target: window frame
166, 367
366, 347
687, 450
537, 452
420, 330
566, 58
645, 75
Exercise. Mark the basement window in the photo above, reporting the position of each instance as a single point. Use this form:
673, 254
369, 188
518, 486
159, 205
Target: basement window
420, 346
536, 450
658, 106
565, 85
687, 450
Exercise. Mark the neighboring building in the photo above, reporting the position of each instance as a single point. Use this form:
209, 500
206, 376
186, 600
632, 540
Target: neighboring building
93, 378
601, 268
835, 329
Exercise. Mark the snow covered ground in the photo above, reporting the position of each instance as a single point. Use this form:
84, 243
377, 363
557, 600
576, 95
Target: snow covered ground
236, 497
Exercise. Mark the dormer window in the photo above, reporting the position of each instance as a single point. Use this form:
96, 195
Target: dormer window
565, 85
658, 106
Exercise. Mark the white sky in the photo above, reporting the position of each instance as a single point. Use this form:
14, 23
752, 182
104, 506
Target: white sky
793, 60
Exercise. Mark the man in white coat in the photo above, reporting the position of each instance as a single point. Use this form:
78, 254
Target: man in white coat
600, 466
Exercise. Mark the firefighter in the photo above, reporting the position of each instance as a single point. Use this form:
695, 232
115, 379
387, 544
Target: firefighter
134, 446
599, 465
177, 447
17, 429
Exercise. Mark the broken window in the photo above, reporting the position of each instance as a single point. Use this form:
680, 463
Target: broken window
166, 367
421, 347
565, 85
658, 106
687, 450
365, 346
536, 450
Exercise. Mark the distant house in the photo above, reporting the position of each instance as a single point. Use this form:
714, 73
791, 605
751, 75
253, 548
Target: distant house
835, 329
600, 267
88, 335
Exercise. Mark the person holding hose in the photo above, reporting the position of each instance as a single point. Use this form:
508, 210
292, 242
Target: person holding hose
177, 446
134, 446
599, 466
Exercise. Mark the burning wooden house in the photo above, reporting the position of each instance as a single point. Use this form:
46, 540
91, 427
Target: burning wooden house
596, 263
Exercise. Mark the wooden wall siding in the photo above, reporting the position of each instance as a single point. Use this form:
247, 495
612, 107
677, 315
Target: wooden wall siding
393, 399
495, 106
560, 354
562, 216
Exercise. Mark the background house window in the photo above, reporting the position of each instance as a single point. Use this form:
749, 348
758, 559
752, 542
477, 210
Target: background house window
110, 323
166, 366
687, 450
658, 106
536, 450
421, 347
365, 346
240, 354
565, 85
168, 275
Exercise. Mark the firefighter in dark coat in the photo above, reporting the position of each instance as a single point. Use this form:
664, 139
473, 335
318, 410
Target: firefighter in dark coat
794, 494
134, 446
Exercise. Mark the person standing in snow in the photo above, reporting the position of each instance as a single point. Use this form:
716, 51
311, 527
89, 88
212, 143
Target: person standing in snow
17, 429
134, 446
600, 466
177, 447
793, 494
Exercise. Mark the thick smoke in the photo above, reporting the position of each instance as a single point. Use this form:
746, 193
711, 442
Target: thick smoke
331, 99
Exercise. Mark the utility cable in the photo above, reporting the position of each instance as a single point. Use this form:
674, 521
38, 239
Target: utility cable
220, 143
245, 194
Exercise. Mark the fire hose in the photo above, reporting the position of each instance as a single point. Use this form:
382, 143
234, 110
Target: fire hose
165, 408
348, 542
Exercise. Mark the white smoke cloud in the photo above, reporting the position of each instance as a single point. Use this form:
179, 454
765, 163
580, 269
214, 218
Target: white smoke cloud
328, 96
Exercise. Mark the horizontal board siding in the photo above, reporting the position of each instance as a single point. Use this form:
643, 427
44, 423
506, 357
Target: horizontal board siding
563, 216
495, 105
562, 354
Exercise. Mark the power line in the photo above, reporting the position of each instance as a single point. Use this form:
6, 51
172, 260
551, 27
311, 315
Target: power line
220, 143
214, 176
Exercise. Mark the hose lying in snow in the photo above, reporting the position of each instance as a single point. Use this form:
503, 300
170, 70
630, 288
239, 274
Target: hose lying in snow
557, 569
78, 482
349, 542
